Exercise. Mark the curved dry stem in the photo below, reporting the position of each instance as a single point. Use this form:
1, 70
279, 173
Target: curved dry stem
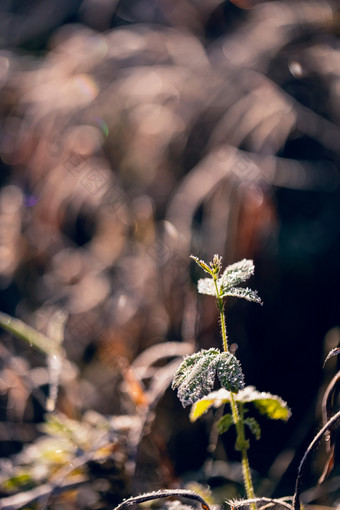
298, 485
328, 397
166, 493
264, 502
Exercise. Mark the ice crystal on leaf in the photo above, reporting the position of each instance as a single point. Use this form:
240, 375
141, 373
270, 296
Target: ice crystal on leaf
207, 286
266, 403
237, 273
229, 372
253, 426
196, 375
232, 276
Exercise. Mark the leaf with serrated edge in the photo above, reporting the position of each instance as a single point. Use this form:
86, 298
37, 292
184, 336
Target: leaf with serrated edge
253, 426
229, 372
245, 293
181, 372
233, 275
215, 398
196, 375
270, 405
237, 273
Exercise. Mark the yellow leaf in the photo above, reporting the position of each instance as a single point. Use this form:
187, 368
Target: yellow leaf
199, 408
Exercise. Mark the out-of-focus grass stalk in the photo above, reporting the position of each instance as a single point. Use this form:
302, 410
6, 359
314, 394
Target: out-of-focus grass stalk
50, 345
33, 337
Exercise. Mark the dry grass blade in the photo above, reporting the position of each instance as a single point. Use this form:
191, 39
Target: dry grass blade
166, 493
327, 408
314, 443
263, 502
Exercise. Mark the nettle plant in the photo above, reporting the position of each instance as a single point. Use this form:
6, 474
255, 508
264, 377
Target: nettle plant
195, 378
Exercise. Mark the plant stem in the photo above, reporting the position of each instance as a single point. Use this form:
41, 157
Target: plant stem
220, 305
30, 335
248, 482
241, 442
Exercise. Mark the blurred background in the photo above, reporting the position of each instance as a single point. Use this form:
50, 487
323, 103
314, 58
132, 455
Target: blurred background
134, 133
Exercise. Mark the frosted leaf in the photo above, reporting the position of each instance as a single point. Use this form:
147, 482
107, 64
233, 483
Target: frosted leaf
199, 408
215, 398
272, 406
237, 273
229, 372
226, 285
253, 426
187, 363
248, 294
195, 376
207, 286
202, 264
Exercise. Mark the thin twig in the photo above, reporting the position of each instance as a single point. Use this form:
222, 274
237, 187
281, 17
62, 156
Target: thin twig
23, 499
268, 502
327, 411
166, 493
311, 447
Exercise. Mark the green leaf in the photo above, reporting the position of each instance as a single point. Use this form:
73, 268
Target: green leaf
226, 285
253, 426
229, 372
245, 293
215, 398
199, 408
237, 273
273, 407
266, 403
17, 481
270, 405
188, 363
207, 286
195, 376
203, 265
224, 424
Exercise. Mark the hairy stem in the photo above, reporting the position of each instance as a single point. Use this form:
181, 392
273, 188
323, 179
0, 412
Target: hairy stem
242, 445
220, 306
248, 482
241, 442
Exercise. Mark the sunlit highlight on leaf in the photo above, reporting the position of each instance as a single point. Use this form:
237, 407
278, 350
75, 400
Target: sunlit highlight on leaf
272, 406
226, 285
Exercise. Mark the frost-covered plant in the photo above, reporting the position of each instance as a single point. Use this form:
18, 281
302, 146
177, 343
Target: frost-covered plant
196, 376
